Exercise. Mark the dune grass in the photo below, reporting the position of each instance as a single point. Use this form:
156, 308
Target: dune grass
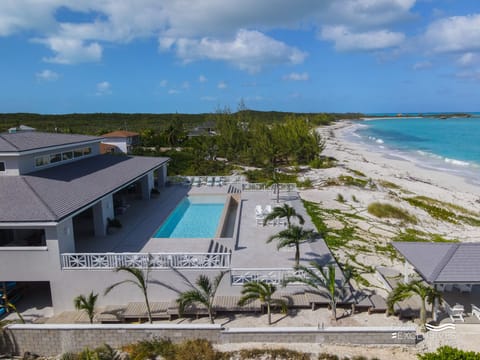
384, 210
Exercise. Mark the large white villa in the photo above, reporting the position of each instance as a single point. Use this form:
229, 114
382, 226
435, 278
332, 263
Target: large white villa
58, 194
52, 188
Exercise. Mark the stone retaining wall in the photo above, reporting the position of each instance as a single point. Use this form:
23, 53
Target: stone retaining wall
53, 339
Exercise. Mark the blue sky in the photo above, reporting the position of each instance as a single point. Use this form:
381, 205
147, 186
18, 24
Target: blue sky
64, 56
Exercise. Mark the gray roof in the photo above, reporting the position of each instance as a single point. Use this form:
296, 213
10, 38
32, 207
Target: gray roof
30, 140
53, 194
443, 262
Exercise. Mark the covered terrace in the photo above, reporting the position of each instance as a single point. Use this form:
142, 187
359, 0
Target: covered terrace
453, 269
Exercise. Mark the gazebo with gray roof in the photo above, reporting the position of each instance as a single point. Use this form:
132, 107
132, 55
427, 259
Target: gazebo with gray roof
443, 263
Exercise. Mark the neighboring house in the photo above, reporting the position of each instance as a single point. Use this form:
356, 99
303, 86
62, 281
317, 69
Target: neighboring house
21, 128
120, 141
52, 187
205, 129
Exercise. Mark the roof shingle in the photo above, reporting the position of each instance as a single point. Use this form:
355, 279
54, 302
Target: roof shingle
30, 140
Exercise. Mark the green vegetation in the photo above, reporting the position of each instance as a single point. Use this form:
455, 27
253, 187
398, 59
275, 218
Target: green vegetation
263, 292
340, 198
294, 235
445, 211
351, 181
203, 293
404, 291
356, 172
450, 353
323, 162
86, 304
382, 210
322, 281
389, 184
410, 235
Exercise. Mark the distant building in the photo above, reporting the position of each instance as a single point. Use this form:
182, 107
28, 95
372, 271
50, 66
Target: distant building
22, 128
205, 129
119, 141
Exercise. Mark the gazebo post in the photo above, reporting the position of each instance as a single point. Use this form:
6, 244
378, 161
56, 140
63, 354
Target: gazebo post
435, 305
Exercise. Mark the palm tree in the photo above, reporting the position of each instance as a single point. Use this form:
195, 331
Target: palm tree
406, 290
285, 211
86, 304
323, 282
262, 291
434, 296
293, 235
9, 306
140, 280
203, 293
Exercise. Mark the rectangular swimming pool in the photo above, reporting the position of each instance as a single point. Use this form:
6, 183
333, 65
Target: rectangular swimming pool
196, 216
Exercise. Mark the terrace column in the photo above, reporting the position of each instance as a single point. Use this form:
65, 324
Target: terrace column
435, 306
146, 185
162, 176
102, 211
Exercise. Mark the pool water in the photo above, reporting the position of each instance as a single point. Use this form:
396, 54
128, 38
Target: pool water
194, 217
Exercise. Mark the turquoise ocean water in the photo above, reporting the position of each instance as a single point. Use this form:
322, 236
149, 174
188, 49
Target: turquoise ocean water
451, 145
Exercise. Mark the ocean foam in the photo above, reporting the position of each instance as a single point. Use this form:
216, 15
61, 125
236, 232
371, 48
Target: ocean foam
456, 162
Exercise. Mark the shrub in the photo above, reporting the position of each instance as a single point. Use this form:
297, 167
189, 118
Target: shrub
149, 349
340, 198
382, 210
197, 349
449, 353
323, 162
351, 181
354, 198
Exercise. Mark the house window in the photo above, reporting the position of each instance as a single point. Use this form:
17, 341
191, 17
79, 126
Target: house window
55, 158
2, 166
87, 151
67, 155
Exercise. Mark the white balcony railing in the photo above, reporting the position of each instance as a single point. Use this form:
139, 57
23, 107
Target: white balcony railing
277, 276
107, 261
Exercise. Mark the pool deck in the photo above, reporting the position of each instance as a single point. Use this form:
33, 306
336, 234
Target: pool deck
249, 247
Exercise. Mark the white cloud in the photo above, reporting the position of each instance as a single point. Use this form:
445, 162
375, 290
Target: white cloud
345, 40
297, 76
421, 65
222, 85
469, 75
163, 83
103, 88
174, 92
208, 98
186, 85
454, 34
468, 59
71, 51
47, 75
202, 79
363, 14
249, 50
234, 32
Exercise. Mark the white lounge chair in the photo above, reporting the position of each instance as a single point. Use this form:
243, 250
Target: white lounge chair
464, 288
210, 181
258, 210
268, 210
476, 311
218, 181
455, 313
196, 181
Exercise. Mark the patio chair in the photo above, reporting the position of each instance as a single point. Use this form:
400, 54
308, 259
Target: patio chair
455, 313
476, 311
258, 210
218, 181
210, 181
196, 181
464, 288
268, 210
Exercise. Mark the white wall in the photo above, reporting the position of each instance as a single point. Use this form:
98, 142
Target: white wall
120, 143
